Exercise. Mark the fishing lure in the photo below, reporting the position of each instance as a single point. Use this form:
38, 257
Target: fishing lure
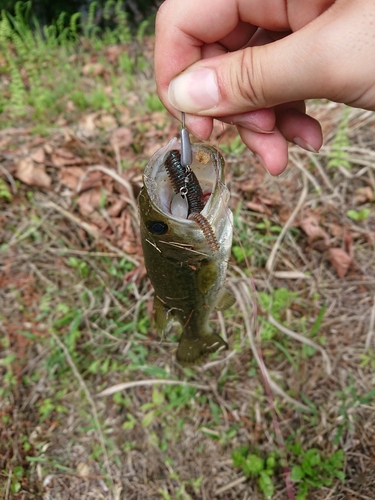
207, 230
184, 181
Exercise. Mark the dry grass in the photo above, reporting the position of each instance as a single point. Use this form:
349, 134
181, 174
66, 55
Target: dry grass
75, 303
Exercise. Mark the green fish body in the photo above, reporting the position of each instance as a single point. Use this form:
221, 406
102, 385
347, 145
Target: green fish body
186, 272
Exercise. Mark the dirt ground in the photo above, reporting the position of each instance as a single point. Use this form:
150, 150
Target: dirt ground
75, 304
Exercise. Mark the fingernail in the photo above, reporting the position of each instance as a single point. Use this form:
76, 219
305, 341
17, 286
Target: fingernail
194, 91
304, 145
262, 162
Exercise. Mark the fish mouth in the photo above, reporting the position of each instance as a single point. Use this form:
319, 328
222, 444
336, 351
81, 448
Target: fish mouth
208, 168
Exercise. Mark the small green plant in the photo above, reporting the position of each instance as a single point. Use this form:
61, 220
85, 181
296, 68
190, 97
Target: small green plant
338, 155
235, 147
153, 103
359, 215
368, 359
314, 470
350, 400
5, 193
81, 265
276, 304
256, 467
17, 475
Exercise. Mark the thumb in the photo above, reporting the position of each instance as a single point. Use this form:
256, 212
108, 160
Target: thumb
252, 78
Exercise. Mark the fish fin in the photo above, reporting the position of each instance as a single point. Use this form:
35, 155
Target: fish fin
162, 318
192, 351
207, 275
226, 300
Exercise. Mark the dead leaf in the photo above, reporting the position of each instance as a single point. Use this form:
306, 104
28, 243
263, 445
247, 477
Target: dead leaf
62, 157
115, 209
112, 52
83, 469
87, 125
363, 195
121, 138
271, 199
70, 107
93, 69
128, 238
336, 230
89, 200
340, 260
248, 185
151, 148
77, 178
311, 227
32, 174
39, 155
258, 207
106, 122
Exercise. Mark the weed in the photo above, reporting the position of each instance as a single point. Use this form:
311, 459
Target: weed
349, 401
256, 467
235, 147
314, 470
368, 359
359, 215
276, 304
338, 156
42, 63
153, 103
5, 193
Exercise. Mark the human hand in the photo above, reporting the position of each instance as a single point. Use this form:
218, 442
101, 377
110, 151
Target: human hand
211, 60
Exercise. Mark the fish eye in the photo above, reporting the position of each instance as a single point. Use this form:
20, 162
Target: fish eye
157, 227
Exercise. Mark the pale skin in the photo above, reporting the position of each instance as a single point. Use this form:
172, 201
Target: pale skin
210, 63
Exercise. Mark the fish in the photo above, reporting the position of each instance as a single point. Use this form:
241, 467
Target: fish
186, 254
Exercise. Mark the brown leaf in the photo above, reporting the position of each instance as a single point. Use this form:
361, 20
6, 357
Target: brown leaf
128, 238
121, 137
87, 124
62, 157
39, 156
74, 177
258, 207
363, 195
271, 199
32, 174
115, 209
106, 122
93, 69
337, 230
111, 53
89, 200
340, 260
311, 227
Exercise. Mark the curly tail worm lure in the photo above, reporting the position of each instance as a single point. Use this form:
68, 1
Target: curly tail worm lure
184, 181
208, 232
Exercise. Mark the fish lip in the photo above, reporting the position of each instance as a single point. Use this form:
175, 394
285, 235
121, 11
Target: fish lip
152, 184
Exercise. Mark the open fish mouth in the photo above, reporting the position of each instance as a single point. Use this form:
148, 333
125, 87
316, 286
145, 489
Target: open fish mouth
208, 170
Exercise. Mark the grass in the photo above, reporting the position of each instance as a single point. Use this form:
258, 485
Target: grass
48, 70
92, 402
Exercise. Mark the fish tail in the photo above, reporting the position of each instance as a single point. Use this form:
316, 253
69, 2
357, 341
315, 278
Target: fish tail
191, 351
